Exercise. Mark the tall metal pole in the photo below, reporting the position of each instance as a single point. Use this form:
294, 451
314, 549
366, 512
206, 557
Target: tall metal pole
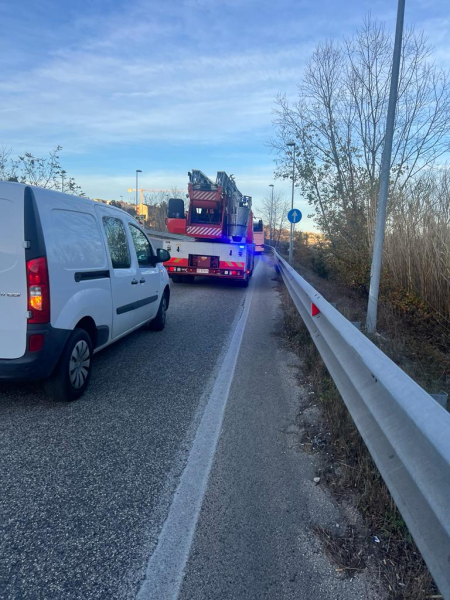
377, 257
291, 239
136, 199
271, 216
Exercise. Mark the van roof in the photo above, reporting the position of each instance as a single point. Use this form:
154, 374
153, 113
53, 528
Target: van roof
68, 197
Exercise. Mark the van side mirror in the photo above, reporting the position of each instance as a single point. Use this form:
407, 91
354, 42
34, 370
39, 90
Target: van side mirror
162, 255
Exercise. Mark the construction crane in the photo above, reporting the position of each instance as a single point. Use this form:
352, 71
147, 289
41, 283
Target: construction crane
140, 208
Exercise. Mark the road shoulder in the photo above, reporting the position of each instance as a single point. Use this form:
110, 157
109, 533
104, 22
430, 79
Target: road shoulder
255, 536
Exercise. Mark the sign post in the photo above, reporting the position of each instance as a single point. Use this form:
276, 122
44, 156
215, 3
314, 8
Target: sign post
294, 216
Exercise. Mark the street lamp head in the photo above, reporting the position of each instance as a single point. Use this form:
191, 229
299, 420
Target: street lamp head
138, 171
291, 144
270, 184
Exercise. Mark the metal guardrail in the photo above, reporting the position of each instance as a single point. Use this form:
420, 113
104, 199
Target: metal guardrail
406, 431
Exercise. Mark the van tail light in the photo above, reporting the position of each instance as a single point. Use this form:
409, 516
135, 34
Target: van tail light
38, 291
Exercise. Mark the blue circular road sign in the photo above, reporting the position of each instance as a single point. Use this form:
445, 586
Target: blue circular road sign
294, 215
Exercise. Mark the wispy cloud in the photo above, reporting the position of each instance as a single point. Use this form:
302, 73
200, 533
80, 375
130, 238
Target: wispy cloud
91, 99
117, 81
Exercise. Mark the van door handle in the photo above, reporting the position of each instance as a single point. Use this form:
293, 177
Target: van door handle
134, 282
142, 280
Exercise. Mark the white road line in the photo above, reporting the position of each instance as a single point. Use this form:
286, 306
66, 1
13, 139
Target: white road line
165, 570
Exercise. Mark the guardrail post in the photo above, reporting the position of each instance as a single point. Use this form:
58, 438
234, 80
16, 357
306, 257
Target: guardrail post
441, 398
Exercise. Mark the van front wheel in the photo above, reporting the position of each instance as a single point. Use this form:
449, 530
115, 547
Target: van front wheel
71, 376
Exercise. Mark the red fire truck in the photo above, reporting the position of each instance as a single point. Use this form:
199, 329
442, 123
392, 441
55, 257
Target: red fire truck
218, 230
258, 235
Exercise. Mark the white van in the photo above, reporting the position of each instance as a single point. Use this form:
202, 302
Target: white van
75, 276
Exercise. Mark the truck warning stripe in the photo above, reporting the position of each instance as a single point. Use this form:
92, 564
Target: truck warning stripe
213, 231
181, 262
196, 195
226, 264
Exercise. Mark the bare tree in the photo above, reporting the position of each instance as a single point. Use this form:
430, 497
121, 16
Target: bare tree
274, 212
6, 171
45, 172
157, 203
338, 124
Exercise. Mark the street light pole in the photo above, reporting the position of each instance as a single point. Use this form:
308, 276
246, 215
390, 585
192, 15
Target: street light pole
377, 256
291, 239
137, 171
271, 216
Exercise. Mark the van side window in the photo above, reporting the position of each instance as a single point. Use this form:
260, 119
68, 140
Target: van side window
142, 246
117, 243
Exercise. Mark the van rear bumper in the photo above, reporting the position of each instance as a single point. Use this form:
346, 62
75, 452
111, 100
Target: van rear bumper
33, 366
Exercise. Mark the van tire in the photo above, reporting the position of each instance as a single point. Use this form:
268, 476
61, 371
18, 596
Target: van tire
159, 322
66, 385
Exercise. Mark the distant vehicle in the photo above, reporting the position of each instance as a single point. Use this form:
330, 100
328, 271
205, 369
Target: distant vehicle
258, 235
218, 222
75, 276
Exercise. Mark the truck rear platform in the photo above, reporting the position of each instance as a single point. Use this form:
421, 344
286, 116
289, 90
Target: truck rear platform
191, 258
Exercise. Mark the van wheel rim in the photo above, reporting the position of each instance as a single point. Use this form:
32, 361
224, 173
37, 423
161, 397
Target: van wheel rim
80, 361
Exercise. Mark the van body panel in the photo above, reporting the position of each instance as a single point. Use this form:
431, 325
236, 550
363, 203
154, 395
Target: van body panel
13, 282
75, 309
75, 252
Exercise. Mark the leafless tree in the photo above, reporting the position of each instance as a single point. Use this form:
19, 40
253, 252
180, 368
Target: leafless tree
274, 213
338, 124
157, 206
45, 172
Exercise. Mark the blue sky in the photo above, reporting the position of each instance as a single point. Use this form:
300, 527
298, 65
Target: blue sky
169, 86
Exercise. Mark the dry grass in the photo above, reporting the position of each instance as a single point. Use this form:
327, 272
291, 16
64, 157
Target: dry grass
414, 340
417, 247
340, 549
351, 476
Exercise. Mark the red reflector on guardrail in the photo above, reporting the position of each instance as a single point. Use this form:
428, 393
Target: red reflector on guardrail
314, 310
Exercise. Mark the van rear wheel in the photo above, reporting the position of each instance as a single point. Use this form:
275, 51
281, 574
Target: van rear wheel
71, 376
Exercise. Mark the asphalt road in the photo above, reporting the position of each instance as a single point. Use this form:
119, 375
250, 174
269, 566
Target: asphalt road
180, 453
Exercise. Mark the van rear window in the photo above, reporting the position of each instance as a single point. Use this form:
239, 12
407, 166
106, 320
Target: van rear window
117, 243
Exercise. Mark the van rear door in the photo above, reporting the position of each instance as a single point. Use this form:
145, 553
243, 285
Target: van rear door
13, 283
